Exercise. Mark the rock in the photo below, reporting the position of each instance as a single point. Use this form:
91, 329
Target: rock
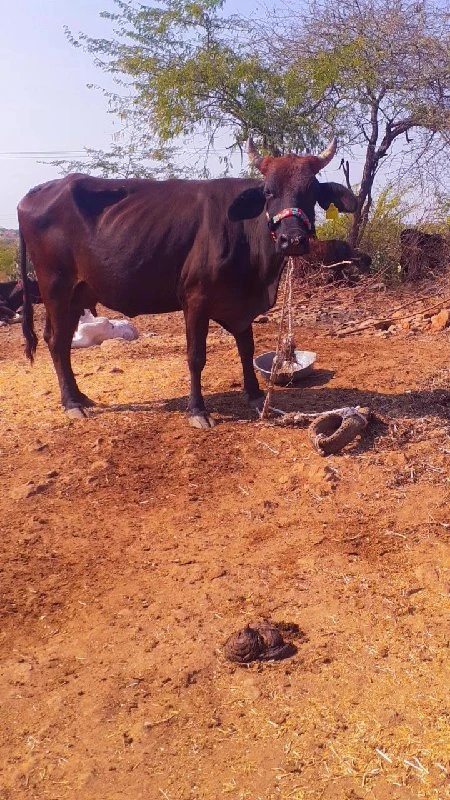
28, 490
418, 323
99, 465
38, 447
440, 321
382, 324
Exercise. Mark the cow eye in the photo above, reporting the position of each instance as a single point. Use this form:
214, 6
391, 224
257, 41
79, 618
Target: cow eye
268, 193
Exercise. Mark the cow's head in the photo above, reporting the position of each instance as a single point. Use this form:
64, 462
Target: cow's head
288, 196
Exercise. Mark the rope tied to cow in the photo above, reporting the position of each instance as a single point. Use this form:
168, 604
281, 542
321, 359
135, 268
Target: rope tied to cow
329, 431
285, 348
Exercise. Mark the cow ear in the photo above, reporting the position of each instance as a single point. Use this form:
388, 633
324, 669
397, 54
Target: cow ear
335, 193
247, 205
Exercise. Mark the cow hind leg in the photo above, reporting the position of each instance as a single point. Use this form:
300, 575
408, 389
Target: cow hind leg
60, 326
246, 348
197, 324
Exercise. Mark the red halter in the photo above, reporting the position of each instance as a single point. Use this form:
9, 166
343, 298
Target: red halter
287, 212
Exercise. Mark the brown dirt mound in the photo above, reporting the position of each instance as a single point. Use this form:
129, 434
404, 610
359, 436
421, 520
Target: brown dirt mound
133, 544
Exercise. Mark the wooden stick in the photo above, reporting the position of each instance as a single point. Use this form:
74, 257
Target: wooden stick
388, 320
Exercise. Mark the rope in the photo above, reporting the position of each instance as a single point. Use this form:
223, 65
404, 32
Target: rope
329, 431
287, 300
305, 417
289, 273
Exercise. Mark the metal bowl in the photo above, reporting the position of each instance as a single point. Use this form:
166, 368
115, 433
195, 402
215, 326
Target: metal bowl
303, 367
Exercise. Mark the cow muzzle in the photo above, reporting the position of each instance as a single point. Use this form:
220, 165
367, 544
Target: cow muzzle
295, 241
292, 245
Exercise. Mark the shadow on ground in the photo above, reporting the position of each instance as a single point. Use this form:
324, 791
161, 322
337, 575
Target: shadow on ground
233, 406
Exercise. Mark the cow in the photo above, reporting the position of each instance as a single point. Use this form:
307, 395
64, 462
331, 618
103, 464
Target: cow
421, 253
214, 249
6, 313
346, 262
11, 293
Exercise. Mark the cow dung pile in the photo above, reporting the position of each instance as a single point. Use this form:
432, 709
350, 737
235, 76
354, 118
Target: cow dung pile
259, 642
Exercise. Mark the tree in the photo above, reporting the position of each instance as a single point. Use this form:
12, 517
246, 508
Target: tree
8, 259
184, 68
126, 158
375, 72
385, 65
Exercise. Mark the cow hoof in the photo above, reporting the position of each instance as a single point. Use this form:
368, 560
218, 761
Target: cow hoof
201, 421
76, 413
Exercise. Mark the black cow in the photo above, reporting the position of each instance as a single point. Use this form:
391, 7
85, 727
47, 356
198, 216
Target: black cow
11, 293
6, 314
421, 253
151, 247
347, 263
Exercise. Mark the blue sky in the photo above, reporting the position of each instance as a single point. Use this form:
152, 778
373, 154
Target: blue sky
46, 105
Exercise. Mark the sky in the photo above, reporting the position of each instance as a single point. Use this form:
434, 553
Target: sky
46, 106
45, 103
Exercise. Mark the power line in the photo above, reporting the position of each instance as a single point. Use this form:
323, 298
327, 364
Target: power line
84, 154
36, 152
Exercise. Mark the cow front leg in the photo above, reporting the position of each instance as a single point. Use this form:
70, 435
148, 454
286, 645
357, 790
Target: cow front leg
197, 324
58, 334
246, 348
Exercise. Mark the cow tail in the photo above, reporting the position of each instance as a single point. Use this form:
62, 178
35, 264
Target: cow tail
27, 309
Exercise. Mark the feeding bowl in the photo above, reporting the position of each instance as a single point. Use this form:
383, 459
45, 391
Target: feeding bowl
302, 367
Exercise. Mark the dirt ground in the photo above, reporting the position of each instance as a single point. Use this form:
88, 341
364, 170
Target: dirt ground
132, 546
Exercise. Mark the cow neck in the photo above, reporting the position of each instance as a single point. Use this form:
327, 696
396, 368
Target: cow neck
271, 263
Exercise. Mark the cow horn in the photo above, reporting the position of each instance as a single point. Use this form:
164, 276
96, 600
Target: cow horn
326, 156
254, 156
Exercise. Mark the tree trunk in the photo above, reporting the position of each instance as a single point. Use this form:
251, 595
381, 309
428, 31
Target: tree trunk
361, 215
353, 238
